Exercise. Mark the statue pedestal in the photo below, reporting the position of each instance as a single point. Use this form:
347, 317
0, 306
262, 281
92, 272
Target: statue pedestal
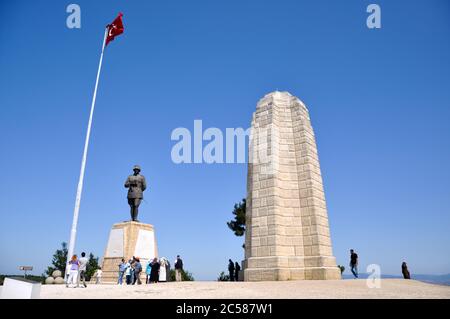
126, 240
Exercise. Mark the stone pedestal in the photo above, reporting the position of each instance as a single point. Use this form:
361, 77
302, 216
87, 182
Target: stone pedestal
287, 234
126, 240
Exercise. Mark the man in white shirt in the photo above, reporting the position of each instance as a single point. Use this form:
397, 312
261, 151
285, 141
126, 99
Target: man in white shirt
82, 270
98, 276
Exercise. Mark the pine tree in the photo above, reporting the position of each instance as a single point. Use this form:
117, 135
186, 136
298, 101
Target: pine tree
59, 260
238, 224
91, 266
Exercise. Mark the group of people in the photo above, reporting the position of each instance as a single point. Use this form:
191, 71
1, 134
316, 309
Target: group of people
156, 270
77, 271
233, 270
354, 266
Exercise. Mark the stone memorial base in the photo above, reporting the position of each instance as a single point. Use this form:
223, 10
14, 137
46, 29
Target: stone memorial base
291, 268
126, 240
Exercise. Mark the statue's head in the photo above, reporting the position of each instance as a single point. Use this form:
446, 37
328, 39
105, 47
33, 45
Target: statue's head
136, 169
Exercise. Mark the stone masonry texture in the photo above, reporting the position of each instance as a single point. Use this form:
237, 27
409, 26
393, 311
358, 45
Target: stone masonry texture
287, 233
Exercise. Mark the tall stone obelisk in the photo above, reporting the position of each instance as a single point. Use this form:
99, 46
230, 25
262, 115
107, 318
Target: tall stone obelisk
287, 234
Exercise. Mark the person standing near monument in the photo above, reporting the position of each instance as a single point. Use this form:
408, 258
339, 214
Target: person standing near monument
167, 270
136, 185
132, 270
137, 271
148, 270
74, 264
162, 269
178, 268
154, 274
237, 268
354, 263
82, 270
98, 276
128, 272
122, 268
231, 269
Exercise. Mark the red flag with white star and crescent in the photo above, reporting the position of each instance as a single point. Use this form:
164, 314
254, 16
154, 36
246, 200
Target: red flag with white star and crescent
114, 29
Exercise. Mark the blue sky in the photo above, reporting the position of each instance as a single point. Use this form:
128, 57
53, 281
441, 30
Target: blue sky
379, 102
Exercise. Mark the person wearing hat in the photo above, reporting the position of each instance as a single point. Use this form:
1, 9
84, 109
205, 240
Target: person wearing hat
136, 186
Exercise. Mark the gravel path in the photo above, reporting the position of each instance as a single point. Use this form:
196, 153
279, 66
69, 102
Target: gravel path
390, 288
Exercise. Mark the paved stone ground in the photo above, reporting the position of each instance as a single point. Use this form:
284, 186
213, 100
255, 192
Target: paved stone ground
390, 288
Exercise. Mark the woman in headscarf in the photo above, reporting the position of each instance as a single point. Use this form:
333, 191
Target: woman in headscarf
154, 274
405, 271
162, 269
148, 271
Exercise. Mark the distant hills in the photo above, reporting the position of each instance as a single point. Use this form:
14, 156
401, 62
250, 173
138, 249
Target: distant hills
432, 279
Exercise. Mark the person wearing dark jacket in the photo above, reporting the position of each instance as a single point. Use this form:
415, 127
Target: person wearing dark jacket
154, 274
405, 271
231, 269
137, 271
354, 263
237, 268
178, 268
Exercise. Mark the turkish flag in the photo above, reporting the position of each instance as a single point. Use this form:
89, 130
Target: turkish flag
114, 29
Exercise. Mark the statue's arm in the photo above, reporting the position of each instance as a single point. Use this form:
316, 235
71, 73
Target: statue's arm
144, 184
127, 183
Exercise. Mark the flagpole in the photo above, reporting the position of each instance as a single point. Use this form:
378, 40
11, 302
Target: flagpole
73, 232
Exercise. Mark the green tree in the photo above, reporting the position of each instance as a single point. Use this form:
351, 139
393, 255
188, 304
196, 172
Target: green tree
91, 266
223, 277
237, 225
59, 260
185, 275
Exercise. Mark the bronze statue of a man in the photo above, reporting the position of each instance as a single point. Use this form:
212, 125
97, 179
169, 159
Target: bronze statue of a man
136, 186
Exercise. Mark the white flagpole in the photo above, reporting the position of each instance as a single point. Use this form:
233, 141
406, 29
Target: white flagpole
73, 232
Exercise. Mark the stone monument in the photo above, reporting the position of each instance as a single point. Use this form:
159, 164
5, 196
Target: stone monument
130, 238
287, 234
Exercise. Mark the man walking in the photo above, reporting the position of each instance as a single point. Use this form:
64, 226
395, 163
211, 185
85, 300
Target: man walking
122, 268
178, 268
354, 263
82, 270
231, 269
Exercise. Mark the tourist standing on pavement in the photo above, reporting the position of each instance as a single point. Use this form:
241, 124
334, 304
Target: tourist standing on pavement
154, 274
82, 270
74, 266
122, 268
354, 263
148, 270
231, 269
237, 268
405, 271
178, 268
128, 272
